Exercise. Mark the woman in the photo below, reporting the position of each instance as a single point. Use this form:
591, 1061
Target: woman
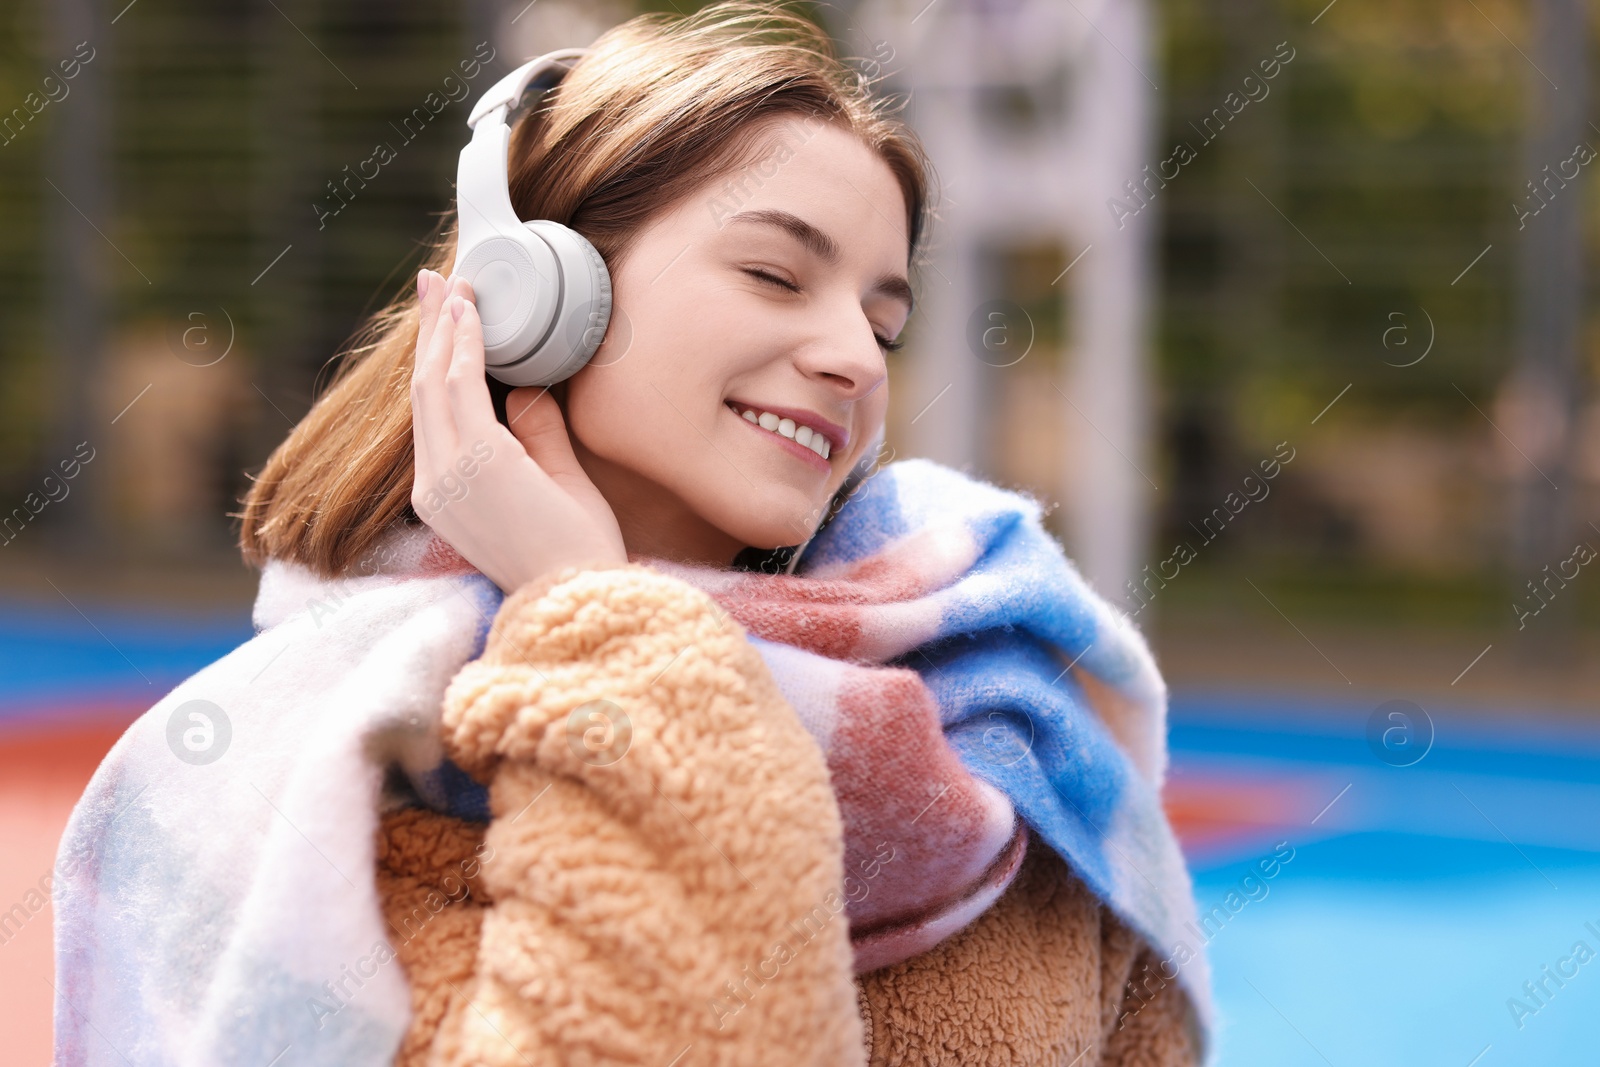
676, 807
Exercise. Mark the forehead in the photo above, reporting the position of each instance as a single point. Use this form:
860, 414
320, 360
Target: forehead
822, 173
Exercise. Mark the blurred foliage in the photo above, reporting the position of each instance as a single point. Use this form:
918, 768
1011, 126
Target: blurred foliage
1383, 160
229, 122
21, 294
1381, 163
1391, 142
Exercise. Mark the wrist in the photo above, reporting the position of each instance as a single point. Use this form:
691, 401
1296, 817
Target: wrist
554, 573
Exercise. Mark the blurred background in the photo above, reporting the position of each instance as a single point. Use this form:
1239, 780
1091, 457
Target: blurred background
1280, 306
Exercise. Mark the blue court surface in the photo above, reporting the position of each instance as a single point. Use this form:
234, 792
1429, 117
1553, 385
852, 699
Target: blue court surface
1441, 907
1443, 912
56, 662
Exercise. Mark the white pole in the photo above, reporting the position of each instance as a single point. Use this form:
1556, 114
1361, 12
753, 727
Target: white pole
1107, 402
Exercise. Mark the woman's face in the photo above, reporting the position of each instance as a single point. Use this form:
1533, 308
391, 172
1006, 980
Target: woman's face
698, 337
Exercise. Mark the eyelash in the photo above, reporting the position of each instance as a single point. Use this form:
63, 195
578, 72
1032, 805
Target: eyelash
884, 342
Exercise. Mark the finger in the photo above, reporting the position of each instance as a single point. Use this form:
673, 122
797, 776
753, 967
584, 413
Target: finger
471, 408
536, 421
441, 342
431, 292
430, 400
432, 311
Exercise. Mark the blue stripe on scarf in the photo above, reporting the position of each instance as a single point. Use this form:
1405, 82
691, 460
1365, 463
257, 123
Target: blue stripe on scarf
1033, 739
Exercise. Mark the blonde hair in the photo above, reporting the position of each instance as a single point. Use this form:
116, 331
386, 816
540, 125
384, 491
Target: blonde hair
661, 105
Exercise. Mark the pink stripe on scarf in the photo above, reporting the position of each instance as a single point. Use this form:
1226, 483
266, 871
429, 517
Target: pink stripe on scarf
955, 841
928, 846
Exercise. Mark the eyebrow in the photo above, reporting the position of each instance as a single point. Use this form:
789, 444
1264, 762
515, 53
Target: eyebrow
826, 249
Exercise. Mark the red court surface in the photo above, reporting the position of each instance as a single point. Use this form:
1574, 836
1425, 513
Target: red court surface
42, 772
44, 769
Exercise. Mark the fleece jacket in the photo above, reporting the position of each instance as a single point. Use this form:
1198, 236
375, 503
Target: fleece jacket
662, 882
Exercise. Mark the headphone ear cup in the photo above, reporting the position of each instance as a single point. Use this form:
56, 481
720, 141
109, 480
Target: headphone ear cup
583, 312
544, 319
516, 283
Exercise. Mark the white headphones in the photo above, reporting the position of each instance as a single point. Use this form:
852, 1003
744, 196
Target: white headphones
543, 292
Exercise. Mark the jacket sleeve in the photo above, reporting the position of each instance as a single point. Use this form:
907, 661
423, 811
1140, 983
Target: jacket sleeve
664, 861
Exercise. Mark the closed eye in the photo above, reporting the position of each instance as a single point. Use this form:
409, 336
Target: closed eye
772, 279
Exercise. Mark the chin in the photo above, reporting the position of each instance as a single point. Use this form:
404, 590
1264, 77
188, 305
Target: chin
766, 526
767, 536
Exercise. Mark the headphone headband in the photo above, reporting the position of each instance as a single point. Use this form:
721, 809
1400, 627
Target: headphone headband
543, 73
543, 292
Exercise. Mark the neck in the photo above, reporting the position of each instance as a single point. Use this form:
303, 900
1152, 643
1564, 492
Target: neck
654, 522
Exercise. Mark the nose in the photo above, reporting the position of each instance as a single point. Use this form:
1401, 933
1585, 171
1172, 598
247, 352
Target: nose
847, 356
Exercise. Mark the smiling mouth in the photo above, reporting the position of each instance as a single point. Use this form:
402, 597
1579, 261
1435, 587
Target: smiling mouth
787, 423
807, 453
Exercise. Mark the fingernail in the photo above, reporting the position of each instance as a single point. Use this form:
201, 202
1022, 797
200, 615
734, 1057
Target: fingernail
422, 284
457, 306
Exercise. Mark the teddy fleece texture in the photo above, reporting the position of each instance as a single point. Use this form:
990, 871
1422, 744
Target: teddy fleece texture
973, 700
662, 877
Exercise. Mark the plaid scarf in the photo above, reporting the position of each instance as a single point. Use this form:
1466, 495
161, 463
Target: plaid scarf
972, 696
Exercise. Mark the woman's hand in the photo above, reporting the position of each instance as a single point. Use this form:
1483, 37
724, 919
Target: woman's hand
513, 502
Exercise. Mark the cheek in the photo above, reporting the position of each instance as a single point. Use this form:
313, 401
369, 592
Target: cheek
872, 423
628, 413
604, 414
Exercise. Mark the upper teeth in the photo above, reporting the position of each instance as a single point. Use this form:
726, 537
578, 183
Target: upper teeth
804, 435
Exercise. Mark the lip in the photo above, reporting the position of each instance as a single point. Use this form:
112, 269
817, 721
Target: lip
788, 444
838, 437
